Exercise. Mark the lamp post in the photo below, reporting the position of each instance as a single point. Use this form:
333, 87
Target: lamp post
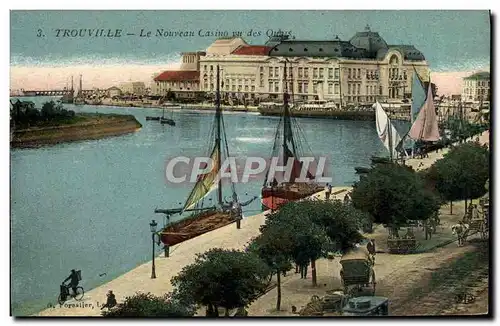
153, 225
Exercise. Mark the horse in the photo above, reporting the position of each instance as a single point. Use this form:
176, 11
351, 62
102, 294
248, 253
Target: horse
461, 230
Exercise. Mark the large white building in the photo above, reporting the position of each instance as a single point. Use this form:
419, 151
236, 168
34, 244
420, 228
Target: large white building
476, 87
361, 70
133, 88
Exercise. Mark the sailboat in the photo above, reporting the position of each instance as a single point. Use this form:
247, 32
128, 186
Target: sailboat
206, 219
273, 193
164, 120
79, 99
68, 98
425, 127
386, 131
418, 98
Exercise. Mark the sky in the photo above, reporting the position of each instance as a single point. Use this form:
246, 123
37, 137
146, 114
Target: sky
452, 41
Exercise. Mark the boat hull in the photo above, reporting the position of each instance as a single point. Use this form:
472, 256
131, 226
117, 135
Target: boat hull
273, 198
337, 114
195, 226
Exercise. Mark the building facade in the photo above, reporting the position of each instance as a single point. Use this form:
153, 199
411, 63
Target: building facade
133, 88
476, 87
114, 92
359, 71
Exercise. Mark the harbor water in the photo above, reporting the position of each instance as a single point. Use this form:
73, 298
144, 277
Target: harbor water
87, 205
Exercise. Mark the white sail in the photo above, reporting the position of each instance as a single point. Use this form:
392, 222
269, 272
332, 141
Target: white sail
386, 131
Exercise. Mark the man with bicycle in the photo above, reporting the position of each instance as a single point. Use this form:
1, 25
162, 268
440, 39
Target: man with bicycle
74, 280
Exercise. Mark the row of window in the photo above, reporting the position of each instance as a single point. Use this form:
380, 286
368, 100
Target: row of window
478, 83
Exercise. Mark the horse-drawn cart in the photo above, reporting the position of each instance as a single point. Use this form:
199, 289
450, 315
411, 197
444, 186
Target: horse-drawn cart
357, 270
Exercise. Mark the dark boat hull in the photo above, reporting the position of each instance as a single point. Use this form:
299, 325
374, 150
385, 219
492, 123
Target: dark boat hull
195, 226
339, 115
170, 122
273, 198
153, 118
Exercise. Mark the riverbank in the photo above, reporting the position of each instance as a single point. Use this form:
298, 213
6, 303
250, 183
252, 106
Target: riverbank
89, 126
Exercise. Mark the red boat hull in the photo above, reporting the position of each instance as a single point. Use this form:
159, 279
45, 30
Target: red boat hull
273, 198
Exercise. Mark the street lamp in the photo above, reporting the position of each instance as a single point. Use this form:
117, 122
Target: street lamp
153, 225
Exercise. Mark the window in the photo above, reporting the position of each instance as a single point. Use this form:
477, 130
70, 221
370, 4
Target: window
320, 72
380, 93
271, 85
330, 72
261, 70
336, 88
315, 72
359, 73
300, 72
337, 73
261, 84
211, 68
300, 87
271, 70
204, 67
246, 88
315, 88
348, 88
330, 88
349, 73
359, 89
306, 72
276, 72
276, 87
367, 90
253, 88
306, 87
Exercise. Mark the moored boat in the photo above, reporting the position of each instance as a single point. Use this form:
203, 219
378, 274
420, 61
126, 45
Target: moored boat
275, 194
205, 219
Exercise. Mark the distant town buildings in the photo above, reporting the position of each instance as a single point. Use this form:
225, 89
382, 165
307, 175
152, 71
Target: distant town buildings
476, 87
358, 71
133, 88
114, 92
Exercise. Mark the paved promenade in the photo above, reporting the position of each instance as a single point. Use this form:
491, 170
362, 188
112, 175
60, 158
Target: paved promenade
183, 254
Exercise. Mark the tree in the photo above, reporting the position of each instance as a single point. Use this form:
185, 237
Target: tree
340, 221
393, 195
149, 305
274, 247
462, 172
222, 278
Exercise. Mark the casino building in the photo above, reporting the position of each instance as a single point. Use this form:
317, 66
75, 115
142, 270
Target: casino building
358, 71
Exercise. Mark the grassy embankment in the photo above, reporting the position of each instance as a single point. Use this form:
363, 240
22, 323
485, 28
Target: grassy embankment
82, 126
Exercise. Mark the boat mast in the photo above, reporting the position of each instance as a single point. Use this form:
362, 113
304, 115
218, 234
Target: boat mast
389, 133
81, 89
217, 137
286, 119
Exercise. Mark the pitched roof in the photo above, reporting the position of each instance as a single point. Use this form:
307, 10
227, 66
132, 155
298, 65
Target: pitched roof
479, 75
252, 50
178, 75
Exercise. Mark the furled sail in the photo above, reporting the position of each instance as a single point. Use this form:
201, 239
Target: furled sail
205, 183
386, 131
425, 127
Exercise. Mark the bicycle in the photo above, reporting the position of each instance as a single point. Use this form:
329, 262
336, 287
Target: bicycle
65, 292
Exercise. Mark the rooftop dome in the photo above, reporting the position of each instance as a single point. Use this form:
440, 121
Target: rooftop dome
368, 40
